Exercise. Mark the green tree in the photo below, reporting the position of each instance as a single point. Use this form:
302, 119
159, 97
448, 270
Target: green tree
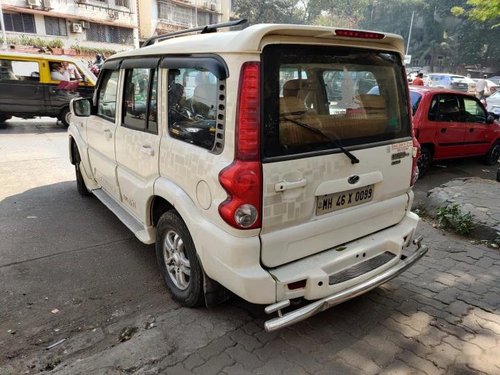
481, 11
263, 11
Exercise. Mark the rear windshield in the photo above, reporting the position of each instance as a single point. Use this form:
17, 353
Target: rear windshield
317, 99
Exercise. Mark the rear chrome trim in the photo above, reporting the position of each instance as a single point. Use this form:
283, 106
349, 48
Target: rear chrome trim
292, 317
361, 268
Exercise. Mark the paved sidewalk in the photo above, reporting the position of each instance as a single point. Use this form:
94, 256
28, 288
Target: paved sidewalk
478, 196
442, 316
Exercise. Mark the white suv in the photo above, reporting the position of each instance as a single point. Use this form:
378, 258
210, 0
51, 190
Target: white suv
254, 163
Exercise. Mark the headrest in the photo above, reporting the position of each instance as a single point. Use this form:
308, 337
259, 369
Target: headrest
291, 88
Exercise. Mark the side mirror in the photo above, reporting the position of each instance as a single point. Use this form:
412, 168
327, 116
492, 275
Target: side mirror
494, 115
81, 107
490, 119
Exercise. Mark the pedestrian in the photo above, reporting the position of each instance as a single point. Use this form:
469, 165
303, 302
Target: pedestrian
482, 87
418, 81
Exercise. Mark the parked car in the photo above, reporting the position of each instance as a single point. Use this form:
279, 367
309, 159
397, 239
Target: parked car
495, 80
244, 173
449, 125
493, 103
450, 81
28, 90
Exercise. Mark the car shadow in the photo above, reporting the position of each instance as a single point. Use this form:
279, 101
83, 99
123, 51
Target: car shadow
41, 125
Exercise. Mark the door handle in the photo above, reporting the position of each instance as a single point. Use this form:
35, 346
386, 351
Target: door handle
471, 130
147, 150
443, 130
288, 185
108, 134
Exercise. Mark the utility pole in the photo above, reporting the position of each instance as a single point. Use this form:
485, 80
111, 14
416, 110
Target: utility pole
409, 34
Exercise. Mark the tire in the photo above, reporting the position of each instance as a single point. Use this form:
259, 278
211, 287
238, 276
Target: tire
179, 265
424, 161
491, 157
65, 116
80, 183
4, 118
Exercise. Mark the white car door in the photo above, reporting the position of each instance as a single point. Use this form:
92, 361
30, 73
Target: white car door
101, 134
137, 138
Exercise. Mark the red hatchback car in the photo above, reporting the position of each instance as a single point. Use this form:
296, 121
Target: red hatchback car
450, 124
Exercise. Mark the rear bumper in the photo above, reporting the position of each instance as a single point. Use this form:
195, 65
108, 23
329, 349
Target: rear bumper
284, 320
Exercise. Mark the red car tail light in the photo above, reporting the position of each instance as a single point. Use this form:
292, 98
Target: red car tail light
242, 180
359, 34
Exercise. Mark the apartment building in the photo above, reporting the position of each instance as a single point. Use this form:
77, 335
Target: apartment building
106, 24
163, 16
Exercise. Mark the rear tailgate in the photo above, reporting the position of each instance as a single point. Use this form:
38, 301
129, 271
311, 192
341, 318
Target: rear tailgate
313, 204
337, 147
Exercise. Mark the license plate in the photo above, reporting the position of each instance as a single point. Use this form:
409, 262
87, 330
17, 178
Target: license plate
349, 198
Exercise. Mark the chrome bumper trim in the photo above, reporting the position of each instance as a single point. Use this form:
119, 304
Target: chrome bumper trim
295, 316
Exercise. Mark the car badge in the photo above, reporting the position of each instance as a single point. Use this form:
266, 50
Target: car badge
353, 179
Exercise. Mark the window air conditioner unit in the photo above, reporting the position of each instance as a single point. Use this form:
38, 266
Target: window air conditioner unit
81, 1
85, 24
33, 3
46, 4
76, 27
205, 4
212, 6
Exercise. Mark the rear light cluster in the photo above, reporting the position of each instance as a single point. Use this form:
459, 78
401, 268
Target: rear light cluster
359, 34
242, 180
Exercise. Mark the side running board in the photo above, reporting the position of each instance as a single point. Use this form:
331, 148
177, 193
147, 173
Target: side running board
125, 217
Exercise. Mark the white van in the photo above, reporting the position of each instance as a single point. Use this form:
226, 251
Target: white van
257, 163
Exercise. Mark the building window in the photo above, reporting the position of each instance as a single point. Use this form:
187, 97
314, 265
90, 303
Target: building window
55, 26
22, 23
175, 15
109, 34
121, 3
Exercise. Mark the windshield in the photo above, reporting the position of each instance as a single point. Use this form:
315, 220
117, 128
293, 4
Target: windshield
320, 99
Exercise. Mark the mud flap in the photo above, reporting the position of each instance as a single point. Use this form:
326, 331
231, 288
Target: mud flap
215, 294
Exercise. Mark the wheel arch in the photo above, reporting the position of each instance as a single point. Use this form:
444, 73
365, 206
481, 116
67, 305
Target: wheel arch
74, 153
430, 146
159, 206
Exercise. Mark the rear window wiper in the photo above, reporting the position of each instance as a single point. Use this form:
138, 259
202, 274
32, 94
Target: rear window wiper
335, 142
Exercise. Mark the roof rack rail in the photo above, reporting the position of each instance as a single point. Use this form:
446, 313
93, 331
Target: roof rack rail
202, 29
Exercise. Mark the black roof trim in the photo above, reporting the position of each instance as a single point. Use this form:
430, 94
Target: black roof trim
211, 63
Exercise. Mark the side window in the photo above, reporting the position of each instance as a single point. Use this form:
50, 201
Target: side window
106, 105
139, 104
19, 70
474, 112
445, 108
192, 106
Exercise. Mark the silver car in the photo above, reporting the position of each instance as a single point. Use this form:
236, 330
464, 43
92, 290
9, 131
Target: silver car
451, 81
493, 103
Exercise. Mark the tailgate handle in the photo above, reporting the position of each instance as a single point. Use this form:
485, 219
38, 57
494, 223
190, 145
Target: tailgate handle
287, 185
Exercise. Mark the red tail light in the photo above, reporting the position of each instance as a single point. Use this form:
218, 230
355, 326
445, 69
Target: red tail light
242, 180
359, 34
